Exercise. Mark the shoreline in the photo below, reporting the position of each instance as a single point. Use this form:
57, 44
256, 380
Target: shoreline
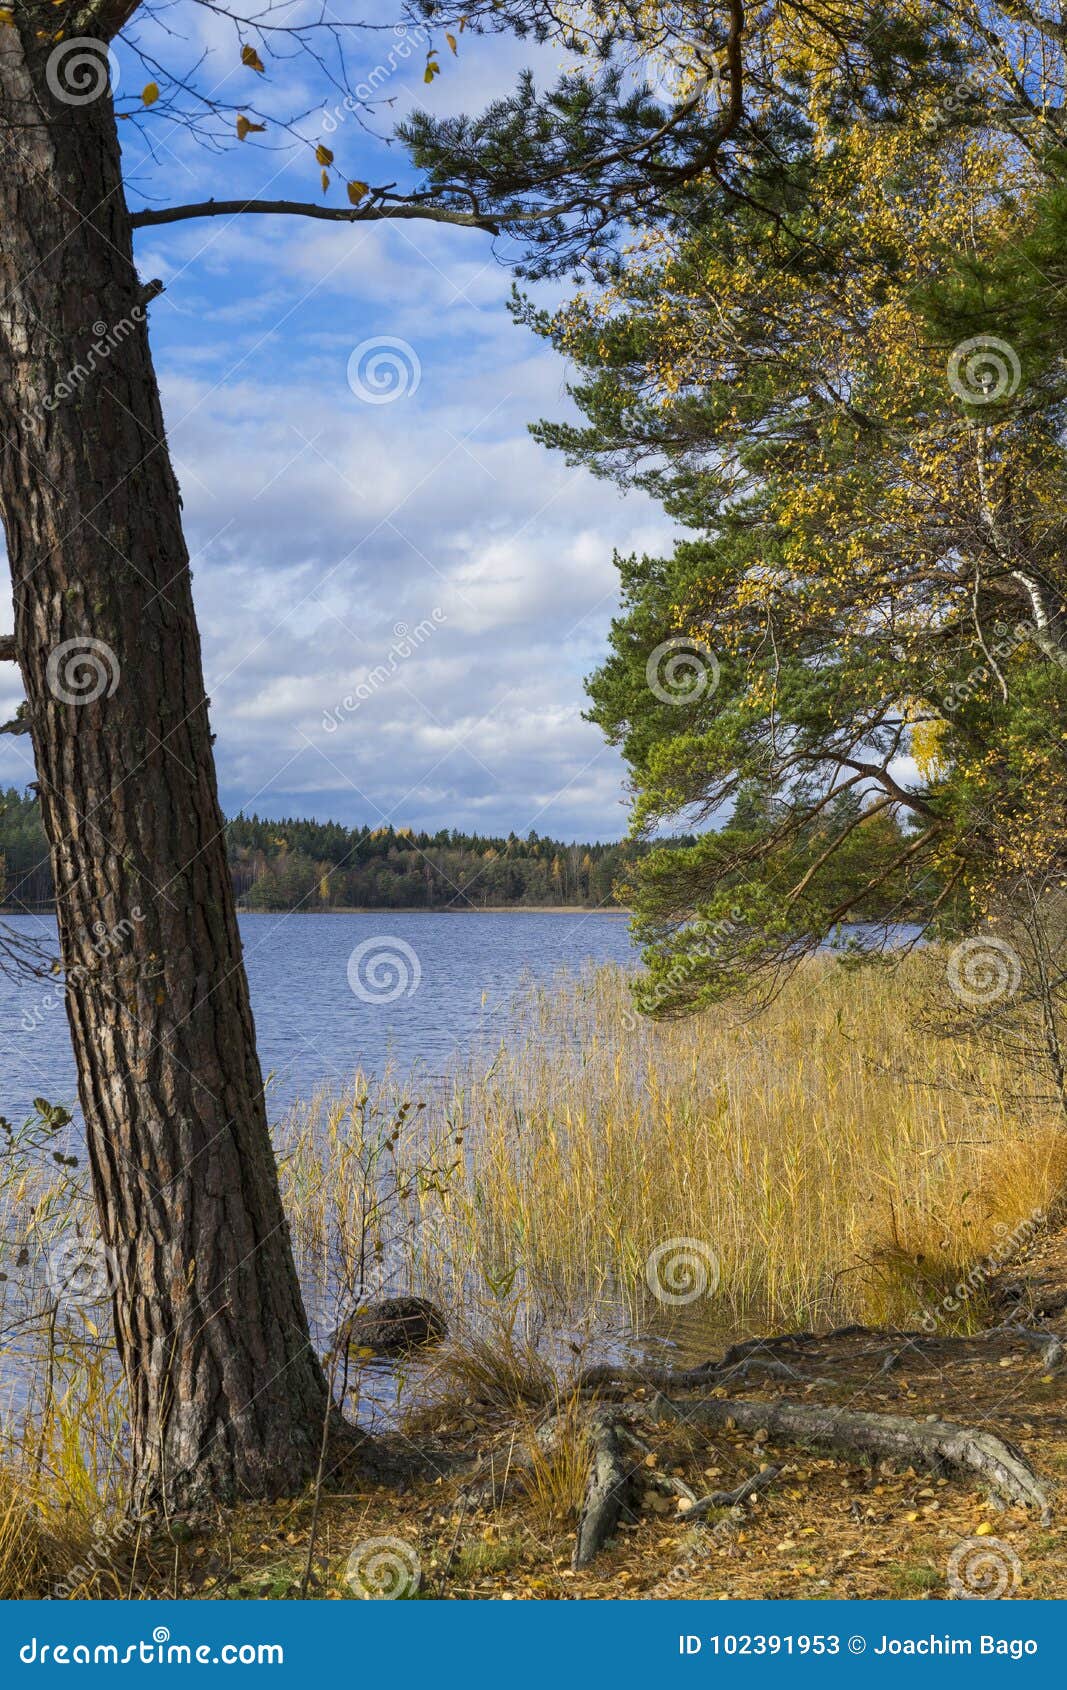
449, 909
389, 909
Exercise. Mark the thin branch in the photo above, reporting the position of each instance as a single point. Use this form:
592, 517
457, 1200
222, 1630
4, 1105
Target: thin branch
824, 857
898, 862
300, 208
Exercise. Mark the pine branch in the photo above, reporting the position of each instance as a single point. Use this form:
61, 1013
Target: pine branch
389, 212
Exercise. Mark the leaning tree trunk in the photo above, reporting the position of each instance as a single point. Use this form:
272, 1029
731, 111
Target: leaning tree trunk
226, 1395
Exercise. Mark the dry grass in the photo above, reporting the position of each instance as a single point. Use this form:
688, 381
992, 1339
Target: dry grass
832, 1161
553, 1483
493, 1367
23, 1552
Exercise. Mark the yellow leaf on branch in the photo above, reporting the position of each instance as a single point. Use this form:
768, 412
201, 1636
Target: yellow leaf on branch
251, 58
323, 155
150, 93
246, 127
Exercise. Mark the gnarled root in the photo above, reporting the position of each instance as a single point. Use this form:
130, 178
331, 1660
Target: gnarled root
757, 1355
733, 1498
937, 1444
605, 1489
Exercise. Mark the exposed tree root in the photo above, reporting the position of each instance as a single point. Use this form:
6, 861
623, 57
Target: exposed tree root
742, 1360
606, 1377
1049, 1345
733, 1498
667, 1482
739, 1361
688, 1379
605, 1490
937, 1444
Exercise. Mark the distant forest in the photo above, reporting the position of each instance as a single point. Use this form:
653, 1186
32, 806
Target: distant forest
283, 865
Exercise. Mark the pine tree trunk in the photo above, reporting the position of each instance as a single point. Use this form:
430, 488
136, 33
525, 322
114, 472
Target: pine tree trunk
226, 1395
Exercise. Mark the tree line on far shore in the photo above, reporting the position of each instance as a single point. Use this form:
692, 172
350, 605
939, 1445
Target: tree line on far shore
304, 864
299, 863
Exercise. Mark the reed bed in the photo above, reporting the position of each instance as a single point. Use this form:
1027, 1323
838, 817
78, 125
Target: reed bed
832, 1159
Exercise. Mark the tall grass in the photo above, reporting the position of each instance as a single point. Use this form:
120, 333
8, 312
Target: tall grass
832, 1159
829, 1160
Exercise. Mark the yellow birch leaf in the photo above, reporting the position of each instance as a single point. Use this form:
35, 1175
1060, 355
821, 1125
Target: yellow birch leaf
251, 58
325, 180
358, 191
150, 93
245, 127
323, 154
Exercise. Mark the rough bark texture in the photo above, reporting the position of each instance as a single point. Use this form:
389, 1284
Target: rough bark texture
226, 1395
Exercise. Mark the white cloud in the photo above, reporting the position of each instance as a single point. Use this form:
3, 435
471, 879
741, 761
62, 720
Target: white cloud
318, 522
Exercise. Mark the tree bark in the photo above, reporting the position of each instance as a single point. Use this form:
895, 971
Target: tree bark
227, 1397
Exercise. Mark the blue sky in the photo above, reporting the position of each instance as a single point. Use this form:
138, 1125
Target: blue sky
326, 529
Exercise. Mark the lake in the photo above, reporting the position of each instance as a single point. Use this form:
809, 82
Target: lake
331, 993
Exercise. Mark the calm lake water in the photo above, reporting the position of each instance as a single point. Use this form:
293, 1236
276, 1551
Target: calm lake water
331, 993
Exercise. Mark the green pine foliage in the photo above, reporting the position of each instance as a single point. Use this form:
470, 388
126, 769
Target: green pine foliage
868, 703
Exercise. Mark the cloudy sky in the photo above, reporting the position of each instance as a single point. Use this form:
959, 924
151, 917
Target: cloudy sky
428, 538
